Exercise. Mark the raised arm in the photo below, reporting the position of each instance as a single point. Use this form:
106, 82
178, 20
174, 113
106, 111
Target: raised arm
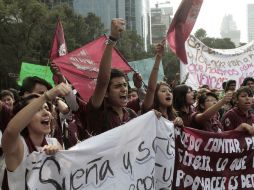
105, 64
207, 114
149, 97
11, 141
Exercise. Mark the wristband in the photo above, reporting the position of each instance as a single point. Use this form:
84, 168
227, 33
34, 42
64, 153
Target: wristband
112, 38
110, 42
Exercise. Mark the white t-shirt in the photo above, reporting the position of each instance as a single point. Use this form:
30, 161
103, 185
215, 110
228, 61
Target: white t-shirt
16, 178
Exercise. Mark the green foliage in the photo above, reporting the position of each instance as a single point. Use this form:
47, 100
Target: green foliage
171, 65
27, 28
217, 43
131, 46
200, 34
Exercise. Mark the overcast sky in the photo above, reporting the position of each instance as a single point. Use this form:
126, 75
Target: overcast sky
212, 13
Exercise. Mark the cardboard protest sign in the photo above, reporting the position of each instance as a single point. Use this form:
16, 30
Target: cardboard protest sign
29, 69
137, 155
215, 66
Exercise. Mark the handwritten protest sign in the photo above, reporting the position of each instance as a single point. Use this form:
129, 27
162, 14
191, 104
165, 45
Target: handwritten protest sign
214, 66
137, 155
210, 161
149, 154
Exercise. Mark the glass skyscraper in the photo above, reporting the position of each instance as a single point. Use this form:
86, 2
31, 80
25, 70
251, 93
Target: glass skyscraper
135, 12
250, 18
52, 3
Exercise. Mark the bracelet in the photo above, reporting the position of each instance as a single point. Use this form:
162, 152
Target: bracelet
110, 42
46, 97
112, 38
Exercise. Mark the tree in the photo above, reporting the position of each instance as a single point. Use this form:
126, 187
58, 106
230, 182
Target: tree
217, 43
27, 28
200, 34
20, 22
171, 65
131, 46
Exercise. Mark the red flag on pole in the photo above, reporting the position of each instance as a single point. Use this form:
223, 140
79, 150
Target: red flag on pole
81, 66
181, 26
58, 47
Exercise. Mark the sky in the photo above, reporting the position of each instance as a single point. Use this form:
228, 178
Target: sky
212, 13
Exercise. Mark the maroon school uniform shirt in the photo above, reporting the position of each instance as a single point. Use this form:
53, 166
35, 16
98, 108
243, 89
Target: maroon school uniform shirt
98, 120
234, 117
186, 117
5, 116
211, 125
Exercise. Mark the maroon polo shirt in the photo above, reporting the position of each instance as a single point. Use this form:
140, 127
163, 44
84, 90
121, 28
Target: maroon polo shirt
234, 117
5, 116
98, 120
134, 105
212, 124
186, 117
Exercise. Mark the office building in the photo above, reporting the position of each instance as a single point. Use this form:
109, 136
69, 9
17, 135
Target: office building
250, 21
135, 12
229, 29
160, 19
52, 3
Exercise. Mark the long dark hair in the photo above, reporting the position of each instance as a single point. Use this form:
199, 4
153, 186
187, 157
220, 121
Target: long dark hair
179, 94
202, 99
170, 110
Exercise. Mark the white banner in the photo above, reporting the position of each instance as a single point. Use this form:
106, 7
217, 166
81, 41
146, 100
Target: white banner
214, 66
137, 155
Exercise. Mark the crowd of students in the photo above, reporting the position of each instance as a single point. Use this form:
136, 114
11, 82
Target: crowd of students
42, 118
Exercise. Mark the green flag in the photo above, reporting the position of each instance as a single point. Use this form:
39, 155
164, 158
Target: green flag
29, 69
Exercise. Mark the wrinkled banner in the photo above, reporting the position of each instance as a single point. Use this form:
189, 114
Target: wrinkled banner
207, 66
137, 155
149, 154
213, 161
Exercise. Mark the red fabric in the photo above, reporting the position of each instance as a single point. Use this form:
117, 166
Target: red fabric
181, 26
81, 66
99, 120
58, 47
234, 117
211, 160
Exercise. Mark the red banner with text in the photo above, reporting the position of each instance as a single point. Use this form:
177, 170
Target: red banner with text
81, 66
206, 160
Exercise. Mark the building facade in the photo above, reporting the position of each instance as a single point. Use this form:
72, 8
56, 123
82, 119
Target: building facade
135, 12
160, 19
52, 3
250, 21
229, 29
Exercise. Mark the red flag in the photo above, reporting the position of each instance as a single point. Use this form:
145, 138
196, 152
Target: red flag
181, 26
81, 66
58, 47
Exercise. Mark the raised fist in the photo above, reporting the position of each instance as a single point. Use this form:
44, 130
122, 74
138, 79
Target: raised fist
117, 27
